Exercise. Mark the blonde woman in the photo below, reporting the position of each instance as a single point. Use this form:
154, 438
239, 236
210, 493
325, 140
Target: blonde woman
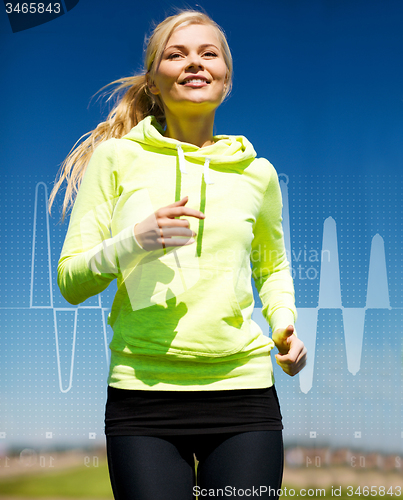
183, 219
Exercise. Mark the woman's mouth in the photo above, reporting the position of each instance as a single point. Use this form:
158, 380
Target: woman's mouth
195, 82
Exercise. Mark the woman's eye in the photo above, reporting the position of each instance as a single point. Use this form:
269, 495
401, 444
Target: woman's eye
176, 55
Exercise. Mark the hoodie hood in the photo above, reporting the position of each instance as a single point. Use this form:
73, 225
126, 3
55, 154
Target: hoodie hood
228, 153
227, 149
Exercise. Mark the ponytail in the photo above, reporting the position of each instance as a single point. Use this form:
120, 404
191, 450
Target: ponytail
133, 106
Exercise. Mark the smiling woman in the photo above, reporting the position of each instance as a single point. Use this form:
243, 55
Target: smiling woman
175, 214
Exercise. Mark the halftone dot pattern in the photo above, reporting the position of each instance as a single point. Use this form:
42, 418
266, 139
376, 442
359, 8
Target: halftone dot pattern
36, 363
340, 406
362, 207
16, 207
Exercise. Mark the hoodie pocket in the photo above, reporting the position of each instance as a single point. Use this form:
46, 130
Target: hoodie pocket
189, 311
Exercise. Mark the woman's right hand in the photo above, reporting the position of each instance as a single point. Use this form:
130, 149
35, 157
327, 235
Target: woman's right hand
161, 229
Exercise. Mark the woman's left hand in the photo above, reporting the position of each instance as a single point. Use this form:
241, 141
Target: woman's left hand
292, 352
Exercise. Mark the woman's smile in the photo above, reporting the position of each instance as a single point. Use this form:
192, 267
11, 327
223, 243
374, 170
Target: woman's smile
195, 82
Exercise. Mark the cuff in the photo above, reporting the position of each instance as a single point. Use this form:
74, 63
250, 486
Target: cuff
281, 318
135, 239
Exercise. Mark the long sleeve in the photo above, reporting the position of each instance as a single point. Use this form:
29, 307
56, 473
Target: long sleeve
91, 258
270, 267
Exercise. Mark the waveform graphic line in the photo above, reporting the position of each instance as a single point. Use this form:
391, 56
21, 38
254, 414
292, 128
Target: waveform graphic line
40, 287
329, 285
377, 297
73, 347
46, 263
330, 296
378, 290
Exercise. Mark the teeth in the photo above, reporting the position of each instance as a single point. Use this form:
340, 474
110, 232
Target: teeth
195, 80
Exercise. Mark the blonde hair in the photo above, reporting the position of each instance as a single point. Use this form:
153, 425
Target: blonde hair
132, 105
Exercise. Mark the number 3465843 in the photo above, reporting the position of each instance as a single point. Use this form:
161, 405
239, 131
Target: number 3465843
33, 8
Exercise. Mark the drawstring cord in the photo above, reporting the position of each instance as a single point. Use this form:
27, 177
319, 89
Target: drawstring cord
207, 180
206, 170
181, 157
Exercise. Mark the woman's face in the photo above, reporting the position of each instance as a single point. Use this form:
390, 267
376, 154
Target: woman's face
192, 72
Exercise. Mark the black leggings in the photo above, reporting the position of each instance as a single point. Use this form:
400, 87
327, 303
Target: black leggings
163, 468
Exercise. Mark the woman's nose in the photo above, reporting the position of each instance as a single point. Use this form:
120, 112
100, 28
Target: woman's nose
194, 60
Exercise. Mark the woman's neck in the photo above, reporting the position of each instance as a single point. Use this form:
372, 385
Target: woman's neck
197, 130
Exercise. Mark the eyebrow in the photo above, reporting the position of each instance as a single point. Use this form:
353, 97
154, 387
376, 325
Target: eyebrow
203, 46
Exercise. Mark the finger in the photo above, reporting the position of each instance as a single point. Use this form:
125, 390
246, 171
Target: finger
285, 331
178, 242
295, 346
161, 243
295, 350
288, 333
171, 232
180, 211
166, 222
293, 371
283, 338
292, 368
301, 360
293, 355
284, 359
289, 330
175, 236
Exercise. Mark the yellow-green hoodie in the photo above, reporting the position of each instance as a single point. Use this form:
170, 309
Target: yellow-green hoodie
181, 318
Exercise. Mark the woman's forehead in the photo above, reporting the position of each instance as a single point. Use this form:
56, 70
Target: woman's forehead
194, 33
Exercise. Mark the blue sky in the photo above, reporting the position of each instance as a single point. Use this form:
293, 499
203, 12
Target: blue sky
318, 83
318, 90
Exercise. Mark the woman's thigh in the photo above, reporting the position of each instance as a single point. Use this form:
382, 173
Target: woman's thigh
145, 468
240, 465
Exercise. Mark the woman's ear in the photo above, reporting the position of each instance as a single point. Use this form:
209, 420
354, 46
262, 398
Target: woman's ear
151, 85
